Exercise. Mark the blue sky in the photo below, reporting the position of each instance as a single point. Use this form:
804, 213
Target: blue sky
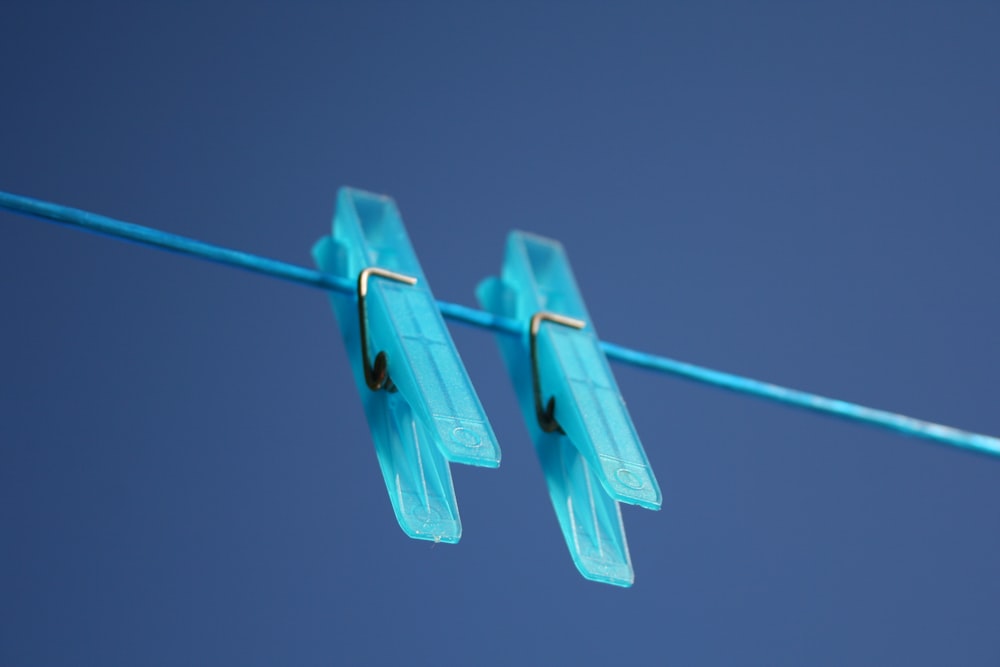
804, 194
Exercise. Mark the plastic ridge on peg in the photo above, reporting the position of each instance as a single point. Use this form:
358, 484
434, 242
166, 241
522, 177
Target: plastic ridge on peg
421, 408
589, 450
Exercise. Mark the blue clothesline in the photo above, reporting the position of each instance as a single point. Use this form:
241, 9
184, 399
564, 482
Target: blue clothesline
470, 316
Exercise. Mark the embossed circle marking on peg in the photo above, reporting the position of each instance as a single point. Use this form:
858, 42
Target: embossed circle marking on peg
629, 479
466, 437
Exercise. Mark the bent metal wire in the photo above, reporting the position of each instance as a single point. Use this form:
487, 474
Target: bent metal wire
546, 412
376, 375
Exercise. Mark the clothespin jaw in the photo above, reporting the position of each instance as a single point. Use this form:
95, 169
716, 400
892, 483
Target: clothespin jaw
420, 404
586, 443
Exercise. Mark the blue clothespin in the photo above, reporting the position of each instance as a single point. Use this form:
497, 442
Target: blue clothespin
584, 437
420, 404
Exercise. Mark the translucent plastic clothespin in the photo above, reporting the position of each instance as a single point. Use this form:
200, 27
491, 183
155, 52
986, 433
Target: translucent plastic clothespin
584, 437
420, 404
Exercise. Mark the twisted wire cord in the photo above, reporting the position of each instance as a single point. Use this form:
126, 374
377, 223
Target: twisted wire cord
156, 238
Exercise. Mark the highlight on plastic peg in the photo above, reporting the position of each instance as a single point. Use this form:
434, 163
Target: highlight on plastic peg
585, 441
420, 404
